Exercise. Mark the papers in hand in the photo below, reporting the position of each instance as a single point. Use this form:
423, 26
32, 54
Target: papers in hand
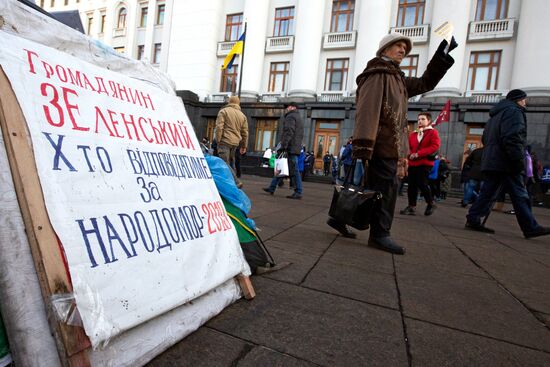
445, 30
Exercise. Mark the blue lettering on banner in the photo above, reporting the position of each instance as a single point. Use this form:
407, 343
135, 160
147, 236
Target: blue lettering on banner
130, 234
58, 153
168, 165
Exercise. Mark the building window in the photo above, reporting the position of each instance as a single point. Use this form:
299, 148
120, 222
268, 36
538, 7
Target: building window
342, 15
265, 134
491, 9
233, 27
284, 22
278, 75
410, 13
121, 23
143, 17
409, 65
102, 24
120, 50
160, 14
337, 74
229, 79
140, 52
156, 53
90, 25
483, 70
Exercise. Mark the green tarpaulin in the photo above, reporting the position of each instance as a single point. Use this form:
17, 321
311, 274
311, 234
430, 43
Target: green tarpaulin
246, 234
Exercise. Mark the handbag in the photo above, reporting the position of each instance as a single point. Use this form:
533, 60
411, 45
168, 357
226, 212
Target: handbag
354, 205
281, 166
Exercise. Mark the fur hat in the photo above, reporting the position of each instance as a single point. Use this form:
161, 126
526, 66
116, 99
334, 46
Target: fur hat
516, 95
390, 39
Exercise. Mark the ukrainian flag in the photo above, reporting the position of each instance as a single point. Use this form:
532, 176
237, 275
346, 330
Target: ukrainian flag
236, 50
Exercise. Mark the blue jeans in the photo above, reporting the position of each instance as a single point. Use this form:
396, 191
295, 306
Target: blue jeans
358, 174
469, 191
515, 186
297, 177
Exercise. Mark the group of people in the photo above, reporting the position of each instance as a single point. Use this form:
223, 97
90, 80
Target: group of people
384, 152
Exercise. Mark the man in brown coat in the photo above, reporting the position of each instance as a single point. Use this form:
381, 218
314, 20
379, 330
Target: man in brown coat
380, 137
231, 133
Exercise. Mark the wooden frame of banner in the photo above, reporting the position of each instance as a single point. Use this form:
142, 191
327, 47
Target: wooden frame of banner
71, 340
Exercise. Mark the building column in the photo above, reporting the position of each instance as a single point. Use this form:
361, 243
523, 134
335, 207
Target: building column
150, 30
532, 35
373, 23
192, 61
166, 35
307, 43
458, 13
255, 15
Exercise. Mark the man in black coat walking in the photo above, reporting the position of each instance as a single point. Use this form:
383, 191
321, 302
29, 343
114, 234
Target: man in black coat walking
504, 140
291, 143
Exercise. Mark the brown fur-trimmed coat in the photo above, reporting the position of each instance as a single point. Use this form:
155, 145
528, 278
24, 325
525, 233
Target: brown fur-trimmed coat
381, 105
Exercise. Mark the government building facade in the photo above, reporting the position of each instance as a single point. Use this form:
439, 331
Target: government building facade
310, 51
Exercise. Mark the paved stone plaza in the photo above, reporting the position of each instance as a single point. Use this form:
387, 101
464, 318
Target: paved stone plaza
457, 298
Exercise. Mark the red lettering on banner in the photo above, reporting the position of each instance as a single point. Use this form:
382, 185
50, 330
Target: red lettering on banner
54, 102
48, 69
187, 141
71, 107
75, 78
140, 120
136, 97
98, 116
130, 121
87, 84
29, 59
61, 73
101, 88
114, 123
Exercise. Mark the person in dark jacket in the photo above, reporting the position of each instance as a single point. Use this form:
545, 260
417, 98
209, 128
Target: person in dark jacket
503, 164
472, 176
347, 160
291, 143
379, 136
327, 160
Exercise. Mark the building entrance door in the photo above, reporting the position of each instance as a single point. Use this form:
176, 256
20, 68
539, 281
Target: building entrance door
473, 140
327, 139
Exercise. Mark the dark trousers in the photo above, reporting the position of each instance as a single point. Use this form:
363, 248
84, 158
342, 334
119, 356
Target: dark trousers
382, 176
514, 185
418, 180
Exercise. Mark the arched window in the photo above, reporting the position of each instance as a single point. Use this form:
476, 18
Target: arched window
122, 18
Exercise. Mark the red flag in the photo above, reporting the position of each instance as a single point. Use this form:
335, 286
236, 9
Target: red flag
444, 115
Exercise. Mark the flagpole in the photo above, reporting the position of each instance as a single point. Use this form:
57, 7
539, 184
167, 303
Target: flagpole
448, 135
242, 62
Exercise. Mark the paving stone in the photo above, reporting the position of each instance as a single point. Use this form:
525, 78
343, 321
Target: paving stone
316, 327
260, 356
404, 230
300, 262
355, 252
307, 238
438, 258
437, 346
468, 303
353, 282
527, 279
205, 347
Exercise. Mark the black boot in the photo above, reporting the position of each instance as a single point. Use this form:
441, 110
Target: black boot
386, 244
340, 227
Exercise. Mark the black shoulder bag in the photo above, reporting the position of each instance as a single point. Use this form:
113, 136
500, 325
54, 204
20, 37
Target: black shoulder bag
354, 205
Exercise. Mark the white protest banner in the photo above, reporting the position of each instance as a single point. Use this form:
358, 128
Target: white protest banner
126, 187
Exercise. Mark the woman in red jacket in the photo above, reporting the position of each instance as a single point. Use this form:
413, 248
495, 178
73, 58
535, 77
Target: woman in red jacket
423, 146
